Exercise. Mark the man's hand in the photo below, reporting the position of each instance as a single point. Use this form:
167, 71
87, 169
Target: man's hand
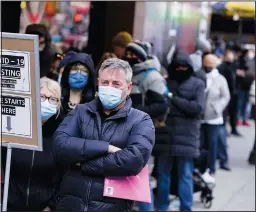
47, 209
113, 149
240, 73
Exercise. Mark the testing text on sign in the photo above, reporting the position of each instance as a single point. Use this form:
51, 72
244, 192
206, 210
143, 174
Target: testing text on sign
15, 71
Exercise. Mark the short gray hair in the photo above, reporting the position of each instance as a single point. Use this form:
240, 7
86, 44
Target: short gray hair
114, 64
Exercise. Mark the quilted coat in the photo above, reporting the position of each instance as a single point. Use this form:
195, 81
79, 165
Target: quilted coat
82, 142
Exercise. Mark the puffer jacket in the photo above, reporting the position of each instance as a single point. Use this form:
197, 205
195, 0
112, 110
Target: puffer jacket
217, 95
186, 107
149, 90
82, 142
35, 176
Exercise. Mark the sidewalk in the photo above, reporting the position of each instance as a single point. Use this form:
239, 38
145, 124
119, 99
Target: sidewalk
235, 191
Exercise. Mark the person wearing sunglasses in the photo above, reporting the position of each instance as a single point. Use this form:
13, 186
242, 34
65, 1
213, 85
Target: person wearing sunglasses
35, 176
78, 81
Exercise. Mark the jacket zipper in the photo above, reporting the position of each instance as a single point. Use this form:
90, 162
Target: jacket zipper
29, 179
90, 182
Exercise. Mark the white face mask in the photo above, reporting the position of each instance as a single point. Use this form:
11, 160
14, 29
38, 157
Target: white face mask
47, 110
251, 55
219, 62
41, 47
110, 97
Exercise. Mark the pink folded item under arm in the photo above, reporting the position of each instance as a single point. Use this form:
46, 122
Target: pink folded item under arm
131, 188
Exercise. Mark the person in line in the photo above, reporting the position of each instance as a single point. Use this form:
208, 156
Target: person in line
105, 56
45, 49
186, 107
78, 81
119, 43
105, 137
149, 90
245, 77
217, 99
252, 156
54, 72
148, 47
228, 70
203, 48
219, 53
35, 176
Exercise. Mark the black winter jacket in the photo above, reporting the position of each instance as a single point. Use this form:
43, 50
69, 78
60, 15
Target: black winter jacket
82, 142
35, 177
186, 107
228, 70
47, 53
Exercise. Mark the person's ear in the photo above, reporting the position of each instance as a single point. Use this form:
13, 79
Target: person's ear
129, 88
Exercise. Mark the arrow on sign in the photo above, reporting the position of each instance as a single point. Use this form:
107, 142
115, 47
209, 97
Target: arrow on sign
9, 128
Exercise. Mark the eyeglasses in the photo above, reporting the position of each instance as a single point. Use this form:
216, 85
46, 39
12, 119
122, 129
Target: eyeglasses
52, 100
82, 71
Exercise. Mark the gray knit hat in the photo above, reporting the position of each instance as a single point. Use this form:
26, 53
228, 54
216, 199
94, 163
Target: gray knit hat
203, 44
137, 50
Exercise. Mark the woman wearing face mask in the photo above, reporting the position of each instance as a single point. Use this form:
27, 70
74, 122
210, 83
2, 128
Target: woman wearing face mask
217, 99
35, 177
78, 81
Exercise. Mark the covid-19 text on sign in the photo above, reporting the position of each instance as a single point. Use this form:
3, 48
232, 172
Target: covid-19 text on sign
15, 71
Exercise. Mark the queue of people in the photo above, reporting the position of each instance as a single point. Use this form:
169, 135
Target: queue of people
109, 119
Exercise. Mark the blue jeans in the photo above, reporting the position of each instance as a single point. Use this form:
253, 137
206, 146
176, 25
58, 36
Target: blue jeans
222, 146
185, 183
143, 206
212, 132
243, 106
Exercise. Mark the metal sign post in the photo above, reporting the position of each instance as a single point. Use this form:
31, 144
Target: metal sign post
7, 177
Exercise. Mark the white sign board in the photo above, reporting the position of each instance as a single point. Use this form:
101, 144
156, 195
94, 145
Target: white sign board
16, 115
20, 96
15, 71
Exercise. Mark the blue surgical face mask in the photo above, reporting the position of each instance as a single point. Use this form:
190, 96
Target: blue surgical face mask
47, 110
77, 81
56, 38
110, 97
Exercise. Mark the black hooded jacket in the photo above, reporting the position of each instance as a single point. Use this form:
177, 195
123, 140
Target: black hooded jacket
89, 90
46, 54
186, 107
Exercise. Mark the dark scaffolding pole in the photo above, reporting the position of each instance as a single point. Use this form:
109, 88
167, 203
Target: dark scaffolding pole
10, 16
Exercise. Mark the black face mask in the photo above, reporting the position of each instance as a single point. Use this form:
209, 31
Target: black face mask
132, 61
228, 63
208, 69
180, 76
